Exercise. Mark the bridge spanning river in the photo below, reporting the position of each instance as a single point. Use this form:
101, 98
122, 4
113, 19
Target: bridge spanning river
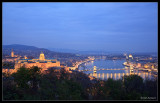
105, 76
116, 76
104, 69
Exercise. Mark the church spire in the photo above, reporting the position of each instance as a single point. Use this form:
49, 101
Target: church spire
12, 53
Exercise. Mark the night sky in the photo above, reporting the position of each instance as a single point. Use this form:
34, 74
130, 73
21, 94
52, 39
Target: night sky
82, 26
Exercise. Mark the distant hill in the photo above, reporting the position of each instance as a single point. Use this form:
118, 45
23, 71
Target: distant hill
95, 52
20, 47
103, 52
32, 51
60, 53
63, 50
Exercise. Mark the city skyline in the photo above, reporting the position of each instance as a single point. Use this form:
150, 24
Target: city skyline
82, 26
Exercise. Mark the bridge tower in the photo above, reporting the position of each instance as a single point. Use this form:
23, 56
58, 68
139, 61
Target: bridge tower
131, 69
94, 69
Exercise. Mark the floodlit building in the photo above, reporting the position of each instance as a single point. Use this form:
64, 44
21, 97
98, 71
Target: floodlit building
138, 65
11, 58
41, 62
42, 57
12, 53
130, 58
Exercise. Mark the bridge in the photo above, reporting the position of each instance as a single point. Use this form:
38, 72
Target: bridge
143, 69
103, 76
115, 76
104, 69
97, 69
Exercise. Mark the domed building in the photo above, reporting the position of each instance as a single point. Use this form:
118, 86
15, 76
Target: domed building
41, 62
11, 58
130, 58
41, 57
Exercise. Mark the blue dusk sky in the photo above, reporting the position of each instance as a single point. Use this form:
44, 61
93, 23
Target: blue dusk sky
82, 26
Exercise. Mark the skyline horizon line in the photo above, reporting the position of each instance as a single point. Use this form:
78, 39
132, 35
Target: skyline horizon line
76, 50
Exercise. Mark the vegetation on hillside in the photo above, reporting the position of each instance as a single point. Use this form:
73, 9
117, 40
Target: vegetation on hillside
31, 84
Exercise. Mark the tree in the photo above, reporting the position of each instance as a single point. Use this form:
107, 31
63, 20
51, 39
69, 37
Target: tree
113, 89
150, 88
21, 77
35, 73
133, 85
133, 82
9, 89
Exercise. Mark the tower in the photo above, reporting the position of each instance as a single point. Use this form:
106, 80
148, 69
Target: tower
12, 53
131, 68
94, 69
25, 57
41, 57
126, 56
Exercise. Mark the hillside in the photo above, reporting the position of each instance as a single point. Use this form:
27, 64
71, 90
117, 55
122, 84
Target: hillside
33, 51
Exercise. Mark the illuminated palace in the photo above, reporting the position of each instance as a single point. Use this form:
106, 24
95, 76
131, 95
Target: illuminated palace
41, 62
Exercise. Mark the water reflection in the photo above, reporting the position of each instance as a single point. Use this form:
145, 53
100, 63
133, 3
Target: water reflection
114, 74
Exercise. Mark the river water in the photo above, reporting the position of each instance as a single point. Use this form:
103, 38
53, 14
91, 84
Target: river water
108, 64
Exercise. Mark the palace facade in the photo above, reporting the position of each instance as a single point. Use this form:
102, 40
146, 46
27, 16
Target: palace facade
41, 62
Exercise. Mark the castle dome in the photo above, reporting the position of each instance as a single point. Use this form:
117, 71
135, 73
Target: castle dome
130, 55
42, 57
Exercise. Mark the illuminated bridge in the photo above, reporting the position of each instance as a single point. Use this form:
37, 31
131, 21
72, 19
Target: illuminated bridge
103, 76
91, 69
116, 76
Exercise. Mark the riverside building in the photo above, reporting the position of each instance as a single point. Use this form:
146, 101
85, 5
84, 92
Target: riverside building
41, 62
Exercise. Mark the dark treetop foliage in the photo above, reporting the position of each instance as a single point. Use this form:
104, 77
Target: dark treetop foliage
31, 84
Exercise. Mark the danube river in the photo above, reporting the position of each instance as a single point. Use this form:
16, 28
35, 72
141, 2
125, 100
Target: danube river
110, 64
107, 64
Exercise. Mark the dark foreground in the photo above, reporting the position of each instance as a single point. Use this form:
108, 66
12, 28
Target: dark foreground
31, 84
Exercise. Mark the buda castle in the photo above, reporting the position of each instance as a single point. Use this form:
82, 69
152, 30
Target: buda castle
41, 62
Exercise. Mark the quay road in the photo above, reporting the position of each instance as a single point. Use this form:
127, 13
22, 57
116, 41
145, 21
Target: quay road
81, 62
